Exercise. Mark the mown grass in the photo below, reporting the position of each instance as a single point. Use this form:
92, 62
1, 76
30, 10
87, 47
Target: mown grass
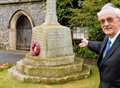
6, 81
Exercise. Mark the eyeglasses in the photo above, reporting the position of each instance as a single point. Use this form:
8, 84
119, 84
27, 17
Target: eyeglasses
109, 20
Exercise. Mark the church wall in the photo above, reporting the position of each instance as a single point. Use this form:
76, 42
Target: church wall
17, 1
35, 9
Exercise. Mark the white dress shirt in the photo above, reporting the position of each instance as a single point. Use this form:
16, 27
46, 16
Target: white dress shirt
114, 38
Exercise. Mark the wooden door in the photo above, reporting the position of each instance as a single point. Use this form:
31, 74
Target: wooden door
23, 33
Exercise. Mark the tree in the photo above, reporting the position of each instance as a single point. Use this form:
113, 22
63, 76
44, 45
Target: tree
64, 11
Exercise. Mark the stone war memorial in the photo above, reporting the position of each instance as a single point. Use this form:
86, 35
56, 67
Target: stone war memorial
51, 58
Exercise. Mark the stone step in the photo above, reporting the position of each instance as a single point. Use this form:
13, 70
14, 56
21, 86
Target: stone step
53, 80
49, 71
48, 61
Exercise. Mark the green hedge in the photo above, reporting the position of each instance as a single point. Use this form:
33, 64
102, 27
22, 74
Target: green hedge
84, 52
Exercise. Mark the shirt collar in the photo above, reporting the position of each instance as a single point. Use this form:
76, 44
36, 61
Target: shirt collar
114, 38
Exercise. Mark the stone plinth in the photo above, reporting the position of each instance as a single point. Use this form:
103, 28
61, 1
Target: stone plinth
54, 40
30, 72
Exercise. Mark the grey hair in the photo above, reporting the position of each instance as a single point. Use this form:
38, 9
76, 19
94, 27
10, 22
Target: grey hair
109, 7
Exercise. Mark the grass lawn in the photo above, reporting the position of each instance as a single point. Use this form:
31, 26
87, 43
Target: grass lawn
6, 81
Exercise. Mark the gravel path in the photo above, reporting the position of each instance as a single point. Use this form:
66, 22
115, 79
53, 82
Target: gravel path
10, 56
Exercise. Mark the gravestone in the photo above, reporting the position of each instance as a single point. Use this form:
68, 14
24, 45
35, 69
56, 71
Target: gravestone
55, 60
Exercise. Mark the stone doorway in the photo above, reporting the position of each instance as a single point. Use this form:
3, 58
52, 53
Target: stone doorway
23, 33
20, 31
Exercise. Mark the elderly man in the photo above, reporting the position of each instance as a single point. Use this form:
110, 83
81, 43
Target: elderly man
108, 50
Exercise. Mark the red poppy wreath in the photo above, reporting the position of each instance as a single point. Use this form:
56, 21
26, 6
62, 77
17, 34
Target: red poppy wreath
35, 49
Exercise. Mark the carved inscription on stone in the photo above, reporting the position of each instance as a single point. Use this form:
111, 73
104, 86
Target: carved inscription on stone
58, 43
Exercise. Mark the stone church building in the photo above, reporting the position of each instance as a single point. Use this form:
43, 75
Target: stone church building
17, 19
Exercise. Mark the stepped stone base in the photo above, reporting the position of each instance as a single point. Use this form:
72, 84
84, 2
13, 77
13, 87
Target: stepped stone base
48, 61
50, 80
39, 73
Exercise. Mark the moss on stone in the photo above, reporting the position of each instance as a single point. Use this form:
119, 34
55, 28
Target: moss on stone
54, 80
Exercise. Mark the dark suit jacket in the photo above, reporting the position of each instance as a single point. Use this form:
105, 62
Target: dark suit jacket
109, 67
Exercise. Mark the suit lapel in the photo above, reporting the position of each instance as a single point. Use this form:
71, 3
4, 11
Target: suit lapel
101, 51
113, 48
103, 45
115, 45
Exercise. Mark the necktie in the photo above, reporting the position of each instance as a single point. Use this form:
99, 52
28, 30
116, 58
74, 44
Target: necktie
107, 48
